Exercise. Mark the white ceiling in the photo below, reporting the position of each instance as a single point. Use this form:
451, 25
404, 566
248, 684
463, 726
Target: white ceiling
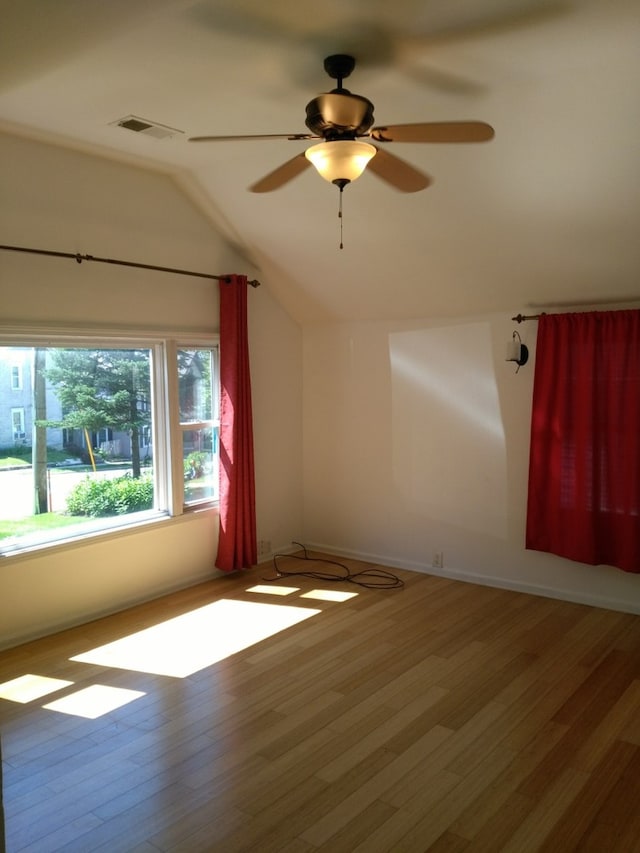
546, 214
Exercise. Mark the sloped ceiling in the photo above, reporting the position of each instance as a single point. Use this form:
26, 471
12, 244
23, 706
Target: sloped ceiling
547, 214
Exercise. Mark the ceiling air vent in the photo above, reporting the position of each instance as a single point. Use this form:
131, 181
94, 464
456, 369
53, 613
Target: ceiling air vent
146, 128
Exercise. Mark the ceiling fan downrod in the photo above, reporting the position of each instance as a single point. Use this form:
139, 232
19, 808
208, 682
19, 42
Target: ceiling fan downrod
339, 67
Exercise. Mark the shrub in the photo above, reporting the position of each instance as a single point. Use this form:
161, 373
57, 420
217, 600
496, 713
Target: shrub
195, 464
120, 495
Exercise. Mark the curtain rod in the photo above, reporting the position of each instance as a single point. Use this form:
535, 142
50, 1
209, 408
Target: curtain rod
520, 318
80, 258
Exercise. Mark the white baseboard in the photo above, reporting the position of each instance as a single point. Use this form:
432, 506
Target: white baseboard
481, 579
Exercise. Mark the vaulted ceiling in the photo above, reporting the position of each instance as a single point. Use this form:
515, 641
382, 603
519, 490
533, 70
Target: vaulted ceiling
546, 214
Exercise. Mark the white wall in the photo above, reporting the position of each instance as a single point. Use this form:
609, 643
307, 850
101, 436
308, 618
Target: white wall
413, 438
62, 200
416, 441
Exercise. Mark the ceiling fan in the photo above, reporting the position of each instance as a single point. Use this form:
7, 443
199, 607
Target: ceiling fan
341, 119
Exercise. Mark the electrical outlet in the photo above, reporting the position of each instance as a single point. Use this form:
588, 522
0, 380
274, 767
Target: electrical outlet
264, 547
438, 560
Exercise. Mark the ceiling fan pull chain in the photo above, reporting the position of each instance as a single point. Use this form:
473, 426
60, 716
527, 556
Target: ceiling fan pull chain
340, 217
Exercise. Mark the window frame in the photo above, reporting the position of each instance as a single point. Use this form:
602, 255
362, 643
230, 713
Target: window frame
165, 432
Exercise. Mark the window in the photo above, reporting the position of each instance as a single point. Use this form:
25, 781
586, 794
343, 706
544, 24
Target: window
114, 432
16, 377
199, 423
17, 422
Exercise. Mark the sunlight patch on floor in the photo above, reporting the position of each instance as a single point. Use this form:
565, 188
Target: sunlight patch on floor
94, 701
198, 639
29, 687
329, 595
268, 589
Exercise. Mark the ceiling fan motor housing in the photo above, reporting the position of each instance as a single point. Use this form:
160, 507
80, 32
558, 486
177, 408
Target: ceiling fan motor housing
339, 115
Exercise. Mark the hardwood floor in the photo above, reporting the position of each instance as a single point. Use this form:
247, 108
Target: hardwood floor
441, 717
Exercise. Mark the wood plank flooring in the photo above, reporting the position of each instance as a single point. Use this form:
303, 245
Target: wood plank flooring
442, 717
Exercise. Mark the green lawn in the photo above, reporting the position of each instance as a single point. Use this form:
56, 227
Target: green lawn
23, 455
45, 521
12, 462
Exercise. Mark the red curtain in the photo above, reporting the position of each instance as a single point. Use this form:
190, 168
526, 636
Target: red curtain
237, 545
584, 467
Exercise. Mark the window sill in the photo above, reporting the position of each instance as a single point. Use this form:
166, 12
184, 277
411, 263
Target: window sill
35, 546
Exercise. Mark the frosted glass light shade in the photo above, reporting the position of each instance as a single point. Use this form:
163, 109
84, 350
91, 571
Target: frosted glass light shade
340, 160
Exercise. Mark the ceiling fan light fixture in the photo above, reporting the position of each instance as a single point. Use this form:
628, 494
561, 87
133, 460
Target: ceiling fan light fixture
342, 160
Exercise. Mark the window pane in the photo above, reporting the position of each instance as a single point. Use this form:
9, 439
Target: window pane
195, 374
200, 455
16, 377
75, 444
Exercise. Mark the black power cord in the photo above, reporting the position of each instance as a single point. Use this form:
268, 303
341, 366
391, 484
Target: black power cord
367, 578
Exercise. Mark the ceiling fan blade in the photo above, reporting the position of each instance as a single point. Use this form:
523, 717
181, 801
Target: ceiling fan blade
252, 136
437, 131
397, 172
282, 175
